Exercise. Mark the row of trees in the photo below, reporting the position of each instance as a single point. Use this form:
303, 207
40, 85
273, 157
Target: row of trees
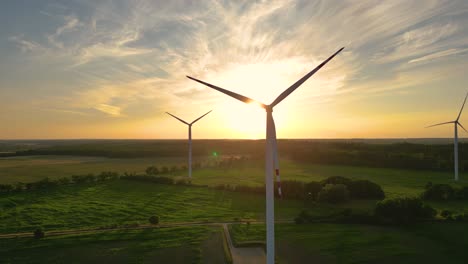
444, 192
333, 189
399, 211
47, 183
225, 162
150, 176
396, 155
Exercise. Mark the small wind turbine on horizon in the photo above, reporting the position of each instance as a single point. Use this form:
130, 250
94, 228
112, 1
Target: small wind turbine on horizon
271, 157
456, 123
189, 139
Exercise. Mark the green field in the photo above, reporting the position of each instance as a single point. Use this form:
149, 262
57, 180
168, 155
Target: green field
33, 168
345, 243
124, 203
165, 245
120, 202
395, 182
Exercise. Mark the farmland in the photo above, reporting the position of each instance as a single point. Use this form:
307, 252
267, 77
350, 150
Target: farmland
174, 245
332, 243
114, 207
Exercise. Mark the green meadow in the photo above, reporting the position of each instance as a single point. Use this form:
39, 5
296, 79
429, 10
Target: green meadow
122, 204
127, 203
350, 243
165, 245
395, 182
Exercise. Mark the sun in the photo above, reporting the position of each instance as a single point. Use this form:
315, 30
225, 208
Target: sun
246, 120
260, 81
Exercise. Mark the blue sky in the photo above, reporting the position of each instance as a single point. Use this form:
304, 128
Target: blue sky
110, 69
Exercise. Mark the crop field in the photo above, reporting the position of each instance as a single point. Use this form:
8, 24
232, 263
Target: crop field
165, 245
346, 243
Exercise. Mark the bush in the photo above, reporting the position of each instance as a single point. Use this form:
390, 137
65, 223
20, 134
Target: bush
462, 193
403, 210
333, 193
147, 178
154, 219
39, 233
438, 192
460, 217
336, 180
6, 188
364, 189
446, 214
311, 190
152, 170
291, 189
350, 216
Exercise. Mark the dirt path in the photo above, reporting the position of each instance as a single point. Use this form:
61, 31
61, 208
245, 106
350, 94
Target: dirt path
146, 226
247, 255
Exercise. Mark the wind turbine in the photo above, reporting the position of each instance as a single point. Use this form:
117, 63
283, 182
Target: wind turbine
456, 123
271, 157
190, 139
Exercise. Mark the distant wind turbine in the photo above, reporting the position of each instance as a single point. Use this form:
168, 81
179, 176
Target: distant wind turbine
190, 139
456, 123
271, 157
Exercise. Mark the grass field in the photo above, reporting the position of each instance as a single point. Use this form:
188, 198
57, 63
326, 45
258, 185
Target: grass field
345, 243
165, 245
33, 168
395, 182
123, 202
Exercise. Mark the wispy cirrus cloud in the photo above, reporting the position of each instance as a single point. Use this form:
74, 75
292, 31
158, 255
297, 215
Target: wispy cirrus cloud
129, 58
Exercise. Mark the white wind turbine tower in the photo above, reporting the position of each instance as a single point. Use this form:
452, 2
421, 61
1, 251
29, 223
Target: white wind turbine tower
190, 139
271, 155
456, 123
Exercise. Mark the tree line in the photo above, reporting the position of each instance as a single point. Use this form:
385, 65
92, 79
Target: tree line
396, 155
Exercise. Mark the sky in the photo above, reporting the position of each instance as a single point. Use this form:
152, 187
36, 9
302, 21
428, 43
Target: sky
111, 69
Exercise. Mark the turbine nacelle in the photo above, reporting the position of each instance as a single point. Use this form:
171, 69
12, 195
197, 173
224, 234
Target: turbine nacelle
189, 124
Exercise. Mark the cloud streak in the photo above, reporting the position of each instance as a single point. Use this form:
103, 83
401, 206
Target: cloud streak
128, 59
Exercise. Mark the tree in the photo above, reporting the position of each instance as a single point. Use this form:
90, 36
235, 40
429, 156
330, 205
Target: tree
336, 180
312, 189
364, 189
333, 193
152, 170
173, 169
403, 210
439, 192
154, 219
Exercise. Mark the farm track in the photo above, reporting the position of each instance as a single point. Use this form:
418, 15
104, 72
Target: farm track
146, 226
244, 255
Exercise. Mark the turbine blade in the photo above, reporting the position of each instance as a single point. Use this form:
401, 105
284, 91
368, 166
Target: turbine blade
177, 118
242, 98
459, 114
441, 124
462, 127
200, 117
302, 80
